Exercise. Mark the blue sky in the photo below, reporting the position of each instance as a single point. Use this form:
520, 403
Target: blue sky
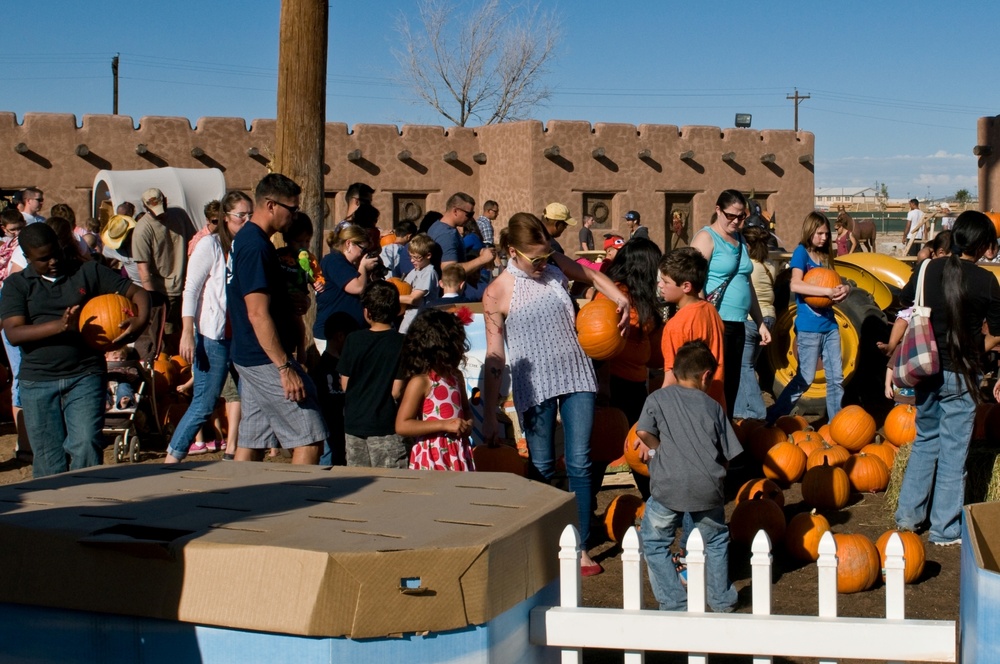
896, 88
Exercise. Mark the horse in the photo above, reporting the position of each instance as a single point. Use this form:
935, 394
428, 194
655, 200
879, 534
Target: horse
864, 230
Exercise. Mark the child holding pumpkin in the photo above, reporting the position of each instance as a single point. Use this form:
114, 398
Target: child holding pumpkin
435, 406
692, 443
816, 328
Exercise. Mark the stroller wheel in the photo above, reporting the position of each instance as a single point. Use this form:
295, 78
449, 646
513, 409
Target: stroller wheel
133, 449
121, 453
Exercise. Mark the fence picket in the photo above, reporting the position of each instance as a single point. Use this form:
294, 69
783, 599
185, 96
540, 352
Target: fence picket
827, 565
760, 580
696, 583
632, 584
569, 583
895, 564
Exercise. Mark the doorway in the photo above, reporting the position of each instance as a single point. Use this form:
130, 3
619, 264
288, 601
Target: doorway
682, 206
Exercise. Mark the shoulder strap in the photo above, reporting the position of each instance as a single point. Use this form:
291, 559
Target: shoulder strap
918, 296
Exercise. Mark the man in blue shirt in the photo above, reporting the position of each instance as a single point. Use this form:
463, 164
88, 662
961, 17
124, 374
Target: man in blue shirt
460, 208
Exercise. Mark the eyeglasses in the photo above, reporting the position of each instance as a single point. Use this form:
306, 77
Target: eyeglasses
536, 261
734, 217
245, 216
292, 209
468, 213
360, 245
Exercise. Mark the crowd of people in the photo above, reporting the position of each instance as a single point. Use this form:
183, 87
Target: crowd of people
379, 381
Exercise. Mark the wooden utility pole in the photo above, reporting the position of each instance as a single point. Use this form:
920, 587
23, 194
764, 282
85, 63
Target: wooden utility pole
301, 122
114, 72
797, 99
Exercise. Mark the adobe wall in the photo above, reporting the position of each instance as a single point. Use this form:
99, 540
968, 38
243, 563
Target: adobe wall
522, 165
988, 136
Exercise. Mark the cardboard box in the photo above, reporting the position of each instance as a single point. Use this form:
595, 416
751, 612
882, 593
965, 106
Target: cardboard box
316, 552
979, 599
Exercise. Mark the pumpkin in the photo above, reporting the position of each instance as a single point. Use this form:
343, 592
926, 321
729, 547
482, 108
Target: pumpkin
804, 533
792, 423
824, 433
914, 554
621, 515
784, 463
597, 329
826, 487
499, 459
606, 436
762, 485
995, 218
867, 473
823, 277
164, 374
754, 515
852, 428
403, 288
632, 455
810, 442
901, 425
744, 428
835, 455
387, 239
857, 563
101, 320
182, 369
883, 450
764, 438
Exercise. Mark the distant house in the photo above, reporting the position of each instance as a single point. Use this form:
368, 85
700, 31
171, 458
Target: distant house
831, 198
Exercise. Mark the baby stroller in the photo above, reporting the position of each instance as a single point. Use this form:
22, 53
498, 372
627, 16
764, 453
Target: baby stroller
132, 393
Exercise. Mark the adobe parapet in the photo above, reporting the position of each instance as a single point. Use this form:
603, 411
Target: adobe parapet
522, 165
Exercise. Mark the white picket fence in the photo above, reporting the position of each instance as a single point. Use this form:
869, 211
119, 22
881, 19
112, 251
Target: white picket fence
635, 630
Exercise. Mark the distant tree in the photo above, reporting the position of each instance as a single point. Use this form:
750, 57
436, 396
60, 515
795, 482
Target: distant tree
882, 195
962, 197
486, 65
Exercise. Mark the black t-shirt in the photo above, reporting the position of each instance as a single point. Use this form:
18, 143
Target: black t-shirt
982, 302
40, 300
370, 361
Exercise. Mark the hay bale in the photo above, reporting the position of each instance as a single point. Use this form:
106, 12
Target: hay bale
895, 483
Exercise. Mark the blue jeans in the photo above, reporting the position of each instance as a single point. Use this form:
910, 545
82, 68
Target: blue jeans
577, 410
14, 358
210, 367
658, 526
64, 417
945, 416
749, 402
811, 344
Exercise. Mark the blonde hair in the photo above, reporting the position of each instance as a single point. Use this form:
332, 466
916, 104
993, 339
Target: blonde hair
345, 233
421, 244
810, 225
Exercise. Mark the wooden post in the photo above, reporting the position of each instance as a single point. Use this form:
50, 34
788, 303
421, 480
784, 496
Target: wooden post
300, 134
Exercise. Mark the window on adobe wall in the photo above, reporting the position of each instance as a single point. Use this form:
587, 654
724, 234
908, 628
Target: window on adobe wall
408, 207
598, 205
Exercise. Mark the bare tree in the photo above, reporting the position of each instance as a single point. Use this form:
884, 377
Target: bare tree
486, 65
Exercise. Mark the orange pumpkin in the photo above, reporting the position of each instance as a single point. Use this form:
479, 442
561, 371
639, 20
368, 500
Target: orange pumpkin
606, 436
784, 463
867, 473
182, 368
792, 423
823, 277
769, 489
824, 433
914, 554
835, 455
811, 443
883, 450
857, 563
499, 459
621, 515
754, 515
744, 428
632, 455
826, 487
597, 329
995, 218
901, 425
852, 428
764, 438
101, 319
403, 288
387, 239
164, 374
804, 533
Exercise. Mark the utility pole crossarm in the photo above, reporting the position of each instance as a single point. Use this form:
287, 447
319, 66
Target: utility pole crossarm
798, 98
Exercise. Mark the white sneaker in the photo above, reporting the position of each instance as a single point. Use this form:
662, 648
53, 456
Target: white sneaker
953, 542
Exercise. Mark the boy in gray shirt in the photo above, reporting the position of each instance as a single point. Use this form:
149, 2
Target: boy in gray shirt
693, 443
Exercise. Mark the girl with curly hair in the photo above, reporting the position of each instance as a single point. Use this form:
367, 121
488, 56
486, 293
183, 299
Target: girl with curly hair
435, 406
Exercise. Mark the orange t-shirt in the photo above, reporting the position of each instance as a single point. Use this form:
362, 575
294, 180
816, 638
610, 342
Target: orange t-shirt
698, 320
632, 362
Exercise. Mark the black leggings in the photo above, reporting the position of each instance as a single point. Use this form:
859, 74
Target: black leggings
732, 358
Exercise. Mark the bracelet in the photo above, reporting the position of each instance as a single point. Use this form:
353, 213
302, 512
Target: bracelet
286, 365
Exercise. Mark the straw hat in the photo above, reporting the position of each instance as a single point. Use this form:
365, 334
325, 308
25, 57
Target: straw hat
117, 229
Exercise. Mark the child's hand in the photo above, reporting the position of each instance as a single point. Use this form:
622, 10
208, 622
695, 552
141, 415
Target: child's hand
889, 393
71, 318
130, 331
319, 285
840, 293
368, 262
457, 426
624, 309
643, 450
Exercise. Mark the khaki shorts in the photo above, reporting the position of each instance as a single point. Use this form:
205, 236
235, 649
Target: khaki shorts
268, 417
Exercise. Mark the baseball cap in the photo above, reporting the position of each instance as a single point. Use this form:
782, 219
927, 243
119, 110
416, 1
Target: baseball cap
559, 212
153, 199
614, 241
632, 215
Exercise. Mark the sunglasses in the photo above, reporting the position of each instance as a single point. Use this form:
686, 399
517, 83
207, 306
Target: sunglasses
734, 217
292, 209
535, 262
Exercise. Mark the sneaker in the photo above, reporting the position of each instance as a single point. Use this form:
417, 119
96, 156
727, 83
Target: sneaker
198, 447
957, 540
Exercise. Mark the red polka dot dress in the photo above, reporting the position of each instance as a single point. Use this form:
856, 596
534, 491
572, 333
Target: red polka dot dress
442, 452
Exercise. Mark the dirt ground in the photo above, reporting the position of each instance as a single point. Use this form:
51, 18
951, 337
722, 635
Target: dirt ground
935, 596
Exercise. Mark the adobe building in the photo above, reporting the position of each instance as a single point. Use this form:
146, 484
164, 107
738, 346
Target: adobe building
604, 169
988, 150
